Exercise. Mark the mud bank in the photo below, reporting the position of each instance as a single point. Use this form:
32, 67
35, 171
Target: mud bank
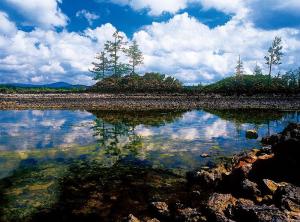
146, 102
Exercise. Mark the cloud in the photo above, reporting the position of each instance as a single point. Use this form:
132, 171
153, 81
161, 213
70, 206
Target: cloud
42, 56
90, 17
7, 27
154, 7
183, 46
193, 52
44, 14
158, 7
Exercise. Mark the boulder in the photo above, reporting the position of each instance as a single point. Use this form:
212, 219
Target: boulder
210, 178
218, 204
250, 189
161, 209
153, 220
249, 212
288, 198
132, 218
189, 215
251, 134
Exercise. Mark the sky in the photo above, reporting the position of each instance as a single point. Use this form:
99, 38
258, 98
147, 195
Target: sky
196, 41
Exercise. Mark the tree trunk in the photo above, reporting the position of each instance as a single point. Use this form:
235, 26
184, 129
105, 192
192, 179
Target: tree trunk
270, 73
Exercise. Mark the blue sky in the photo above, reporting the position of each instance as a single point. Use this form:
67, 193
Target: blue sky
193, 40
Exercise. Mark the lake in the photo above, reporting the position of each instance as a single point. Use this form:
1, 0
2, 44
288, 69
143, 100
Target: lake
72, 162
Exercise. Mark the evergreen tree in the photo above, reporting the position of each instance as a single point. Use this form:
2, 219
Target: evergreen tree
135, 56
100, 68
239, 68
257, 70
274, 55
114, 49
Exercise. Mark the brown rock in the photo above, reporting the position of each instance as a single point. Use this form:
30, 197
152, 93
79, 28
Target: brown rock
188, 215
132, 218
217, 205
271, 185
153, 220
161, 208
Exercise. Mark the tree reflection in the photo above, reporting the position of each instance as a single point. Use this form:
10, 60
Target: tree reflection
115, 131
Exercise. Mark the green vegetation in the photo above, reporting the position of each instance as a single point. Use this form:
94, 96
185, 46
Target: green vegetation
116, 66
150, 82
117, 77
9, 89
253, 84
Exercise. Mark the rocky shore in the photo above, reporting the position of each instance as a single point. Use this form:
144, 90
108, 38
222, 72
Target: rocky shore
94, 101
263, 185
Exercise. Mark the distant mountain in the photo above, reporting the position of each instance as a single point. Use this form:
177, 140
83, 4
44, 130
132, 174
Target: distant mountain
55, 85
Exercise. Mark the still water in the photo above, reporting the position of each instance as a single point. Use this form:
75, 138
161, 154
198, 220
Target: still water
45, 153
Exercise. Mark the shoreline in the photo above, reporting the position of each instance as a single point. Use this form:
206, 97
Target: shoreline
93, 101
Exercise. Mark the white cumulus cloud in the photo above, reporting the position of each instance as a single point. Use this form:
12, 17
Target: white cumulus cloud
41, 13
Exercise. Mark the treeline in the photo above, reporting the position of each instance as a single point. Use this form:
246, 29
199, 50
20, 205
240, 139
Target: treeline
7, 89
119, 76
255, 84
134, 83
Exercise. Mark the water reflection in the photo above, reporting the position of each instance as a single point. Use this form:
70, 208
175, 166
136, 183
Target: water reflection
89, 165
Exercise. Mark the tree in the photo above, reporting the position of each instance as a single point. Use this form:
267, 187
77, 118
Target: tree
239, 68
135, 56
257, 70
100, 68
114, 48
274, 55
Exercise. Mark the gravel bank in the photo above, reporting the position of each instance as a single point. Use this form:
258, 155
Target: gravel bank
146, 102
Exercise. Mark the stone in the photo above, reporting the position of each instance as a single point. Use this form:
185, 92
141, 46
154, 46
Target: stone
218, 204
210, 177
288, 197
250, 189
204, 155
247, 211
161, 208
132, 218
153, 220
271, 185
188, 215
251, 134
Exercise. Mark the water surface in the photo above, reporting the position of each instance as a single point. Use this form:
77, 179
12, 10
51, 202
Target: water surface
50, 158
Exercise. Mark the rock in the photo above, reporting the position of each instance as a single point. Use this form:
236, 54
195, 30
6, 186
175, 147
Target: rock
188, 215
271, 185
217, 205
153, 220
132, 218
288, 197
247, 211
251, 134
210, 177
204, 155
161, 209
250, 189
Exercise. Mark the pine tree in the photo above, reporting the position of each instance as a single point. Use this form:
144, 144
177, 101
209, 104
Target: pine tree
257, 70
274, 55
114, 49
135, 56
239, 68
100, 68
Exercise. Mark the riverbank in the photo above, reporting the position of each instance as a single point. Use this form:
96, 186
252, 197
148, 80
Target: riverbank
92, 101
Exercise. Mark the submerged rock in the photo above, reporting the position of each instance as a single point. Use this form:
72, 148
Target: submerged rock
251, 134
210, 177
